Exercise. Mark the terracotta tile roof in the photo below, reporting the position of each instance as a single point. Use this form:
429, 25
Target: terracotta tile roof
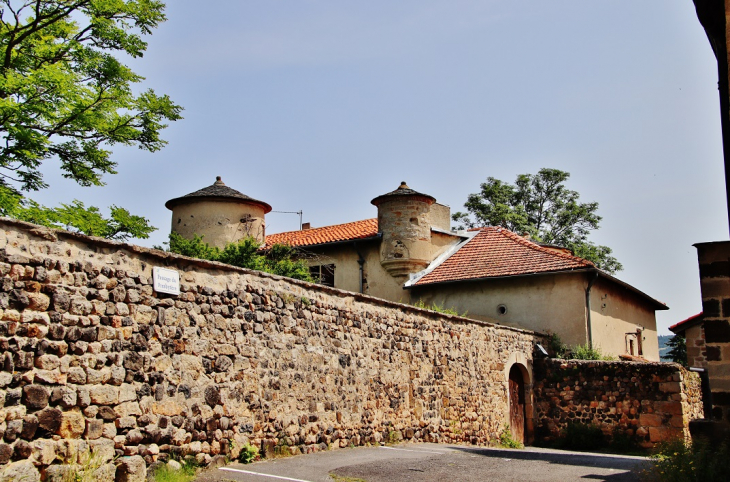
328, 234
495, 252
688, 323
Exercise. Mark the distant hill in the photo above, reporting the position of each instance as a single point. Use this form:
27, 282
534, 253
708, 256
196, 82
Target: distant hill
663, 348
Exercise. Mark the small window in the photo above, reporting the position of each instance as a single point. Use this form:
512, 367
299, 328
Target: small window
323, 274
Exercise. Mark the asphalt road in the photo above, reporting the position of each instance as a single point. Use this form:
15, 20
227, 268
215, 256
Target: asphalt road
434, 463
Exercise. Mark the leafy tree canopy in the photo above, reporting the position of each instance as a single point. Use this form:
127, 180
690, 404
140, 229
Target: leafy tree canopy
277, 259
65, 96
542, 206
120, 226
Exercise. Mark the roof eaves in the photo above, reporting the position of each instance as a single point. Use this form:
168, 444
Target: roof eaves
484, 278
333, 243
657, 304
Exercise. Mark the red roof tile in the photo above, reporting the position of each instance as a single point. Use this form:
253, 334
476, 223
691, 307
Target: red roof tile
495, 252
328, 234
688, 323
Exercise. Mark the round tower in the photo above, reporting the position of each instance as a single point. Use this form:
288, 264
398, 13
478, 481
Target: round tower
404, 221
218, 213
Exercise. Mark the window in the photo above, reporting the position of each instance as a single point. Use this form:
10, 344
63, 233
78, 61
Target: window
323, 274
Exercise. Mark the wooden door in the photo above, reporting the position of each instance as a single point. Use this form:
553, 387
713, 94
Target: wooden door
517, 404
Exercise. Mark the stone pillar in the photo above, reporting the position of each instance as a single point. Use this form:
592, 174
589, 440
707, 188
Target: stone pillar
714, 261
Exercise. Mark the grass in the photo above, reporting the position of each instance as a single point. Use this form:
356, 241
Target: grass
85, 471
697, 462
586, 352
439, 308
167, 474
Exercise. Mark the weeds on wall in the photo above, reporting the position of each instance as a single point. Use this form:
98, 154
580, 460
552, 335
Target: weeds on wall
439, 308
587, 352
85, 470
697, 462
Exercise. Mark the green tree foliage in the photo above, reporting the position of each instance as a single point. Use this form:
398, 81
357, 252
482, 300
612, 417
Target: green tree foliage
540, 205
277, 259
65, 96
120, 226
677, 350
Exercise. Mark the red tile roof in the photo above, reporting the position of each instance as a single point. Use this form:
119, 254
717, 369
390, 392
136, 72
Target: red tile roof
495, 252
328, 234
688, 323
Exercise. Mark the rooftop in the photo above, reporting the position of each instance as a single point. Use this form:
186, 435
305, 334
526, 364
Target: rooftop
497, 252
688, 323
217, 191
367, 228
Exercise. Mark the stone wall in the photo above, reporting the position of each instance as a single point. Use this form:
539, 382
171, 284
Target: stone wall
714, 263
94, 358
649, 402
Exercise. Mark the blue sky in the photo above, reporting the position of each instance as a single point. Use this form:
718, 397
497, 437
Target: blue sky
322, 105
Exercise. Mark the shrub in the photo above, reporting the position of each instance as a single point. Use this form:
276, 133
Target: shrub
556, 345
586, 352
247, 253
677, 462
248, 454
506, 440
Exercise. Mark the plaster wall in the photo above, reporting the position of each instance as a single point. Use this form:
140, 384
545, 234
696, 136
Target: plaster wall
615, 312
547, 303
440, 216
376, 280
219, 221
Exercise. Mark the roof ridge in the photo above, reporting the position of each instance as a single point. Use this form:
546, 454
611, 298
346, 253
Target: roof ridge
530, 244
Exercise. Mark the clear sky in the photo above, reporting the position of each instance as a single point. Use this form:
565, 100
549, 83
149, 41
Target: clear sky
322, 105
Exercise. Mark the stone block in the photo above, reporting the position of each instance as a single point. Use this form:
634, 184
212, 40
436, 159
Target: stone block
131, 469
23, 470
36, 396
104, 395
72, 425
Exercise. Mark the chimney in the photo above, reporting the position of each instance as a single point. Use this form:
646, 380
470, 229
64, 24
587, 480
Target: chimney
306, 226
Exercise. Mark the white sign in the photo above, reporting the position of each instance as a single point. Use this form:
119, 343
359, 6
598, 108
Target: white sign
166, 280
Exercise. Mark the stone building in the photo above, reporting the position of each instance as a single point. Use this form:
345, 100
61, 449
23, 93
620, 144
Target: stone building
410, 254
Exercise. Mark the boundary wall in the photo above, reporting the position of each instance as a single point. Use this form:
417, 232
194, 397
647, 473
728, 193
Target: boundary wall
646, 403
92, 358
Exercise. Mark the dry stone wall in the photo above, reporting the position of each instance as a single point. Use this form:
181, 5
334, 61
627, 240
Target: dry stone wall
648, 402
92, 358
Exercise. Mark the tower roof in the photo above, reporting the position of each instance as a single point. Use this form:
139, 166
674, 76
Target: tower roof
402, 191
217, 191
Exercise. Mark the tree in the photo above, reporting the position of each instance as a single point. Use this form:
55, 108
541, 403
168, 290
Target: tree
75, 216
65, 96
543, 207
678, 350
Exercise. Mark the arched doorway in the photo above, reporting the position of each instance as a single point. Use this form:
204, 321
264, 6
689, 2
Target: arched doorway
517, 403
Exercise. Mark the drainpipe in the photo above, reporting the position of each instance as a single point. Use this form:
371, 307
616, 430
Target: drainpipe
588, 309
361, 262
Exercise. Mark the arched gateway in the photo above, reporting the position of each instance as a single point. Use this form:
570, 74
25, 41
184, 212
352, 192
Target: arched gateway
520, 406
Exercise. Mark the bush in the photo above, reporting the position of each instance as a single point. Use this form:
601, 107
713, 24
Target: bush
586, 352
247, 253
701, 462
506, 440
248, 454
